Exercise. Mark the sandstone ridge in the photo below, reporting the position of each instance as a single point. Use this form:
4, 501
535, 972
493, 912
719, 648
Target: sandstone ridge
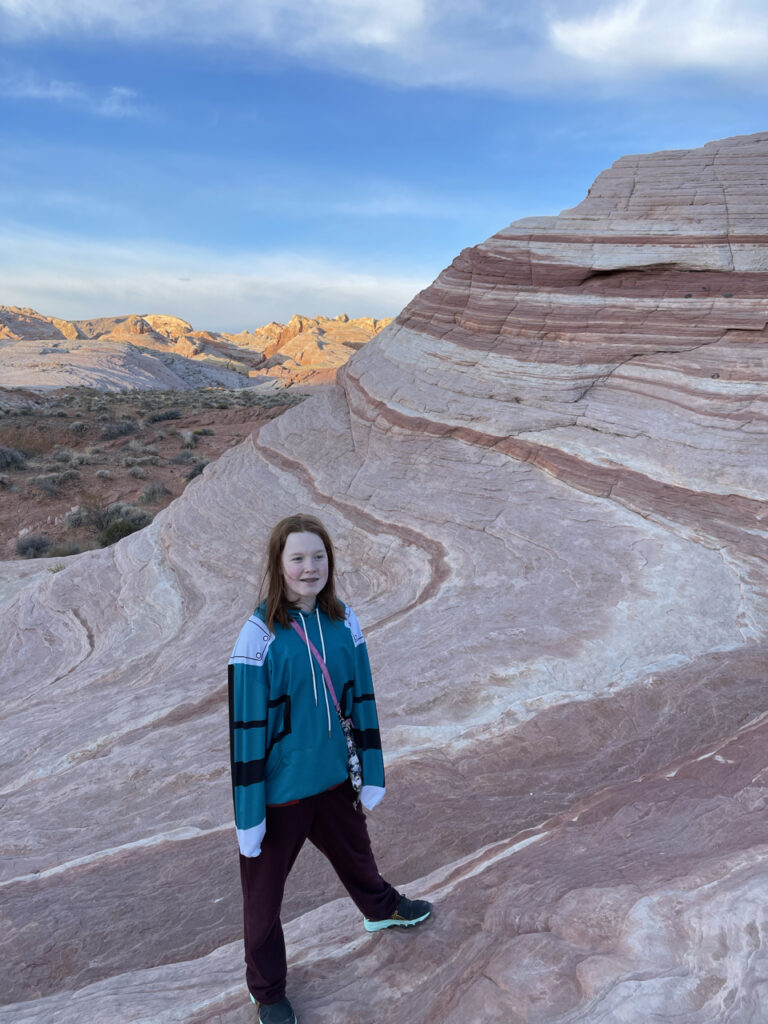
158, 351
547, 482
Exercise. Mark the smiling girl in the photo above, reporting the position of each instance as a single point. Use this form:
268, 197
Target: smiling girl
300, 666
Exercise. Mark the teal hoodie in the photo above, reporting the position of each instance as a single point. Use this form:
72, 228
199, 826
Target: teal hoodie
286, 741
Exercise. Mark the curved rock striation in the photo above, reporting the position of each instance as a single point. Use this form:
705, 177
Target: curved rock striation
547, 481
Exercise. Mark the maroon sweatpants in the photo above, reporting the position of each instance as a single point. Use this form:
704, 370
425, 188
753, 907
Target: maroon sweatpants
338, 830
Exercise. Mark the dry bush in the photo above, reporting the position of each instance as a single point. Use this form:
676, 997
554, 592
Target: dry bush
10, 458
62, 550
117, 428
163, 414
60, 454
196, 470
33, 545
154, 492
108, 522
51, 483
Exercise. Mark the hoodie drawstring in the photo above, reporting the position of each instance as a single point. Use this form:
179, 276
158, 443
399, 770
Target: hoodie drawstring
312, 662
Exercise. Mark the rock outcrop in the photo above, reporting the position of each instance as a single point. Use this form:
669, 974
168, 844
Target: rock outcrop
156, 351
547, 482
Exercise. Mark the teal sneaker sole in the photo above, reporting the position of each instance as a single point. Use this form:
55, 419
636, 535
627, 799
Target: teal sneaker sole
392, 922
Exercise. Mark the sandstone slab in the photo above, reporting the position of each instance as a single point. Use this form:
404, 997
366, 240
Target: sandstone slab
547, 486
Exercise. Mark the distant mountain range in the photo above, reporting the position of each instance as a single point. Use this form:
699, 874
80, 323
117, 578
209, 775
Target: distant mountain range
158, 351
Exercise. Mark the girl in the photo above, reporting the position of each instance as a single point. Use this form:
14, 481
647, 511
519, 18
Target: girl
299, 655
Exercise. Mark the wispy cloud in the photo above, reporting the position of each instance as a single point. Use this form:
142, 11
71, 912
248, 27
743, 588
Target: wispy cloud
75, 278
469, 43
646, 34
306, 24
304, 195
116, 102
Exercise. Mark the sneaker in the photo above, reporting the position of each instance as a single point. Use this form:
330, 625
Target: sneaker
276, 1013
406, 913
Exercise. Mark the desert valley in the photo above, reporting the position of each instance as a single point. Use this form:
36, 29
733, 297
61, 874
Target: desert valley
104, 422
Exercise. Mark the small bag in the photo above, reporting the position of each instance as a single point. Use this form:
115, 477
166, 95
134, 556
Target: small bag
353, 760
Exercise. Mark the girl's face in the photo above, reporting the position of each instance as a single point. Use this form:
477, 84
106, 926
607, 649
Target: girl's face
305, 569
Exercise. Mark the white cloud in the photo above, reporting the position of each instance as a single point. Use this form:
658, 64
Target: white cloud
687, 34
77, 279
117, 102
302, 24
310, 196
466, 43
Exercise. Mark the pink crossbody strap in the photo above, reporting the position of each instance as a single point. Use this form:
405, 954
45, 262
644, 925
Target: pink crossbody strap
321, 663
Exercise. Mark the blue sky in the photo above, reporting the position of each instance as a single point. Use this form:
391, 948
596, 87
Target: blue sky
237, 161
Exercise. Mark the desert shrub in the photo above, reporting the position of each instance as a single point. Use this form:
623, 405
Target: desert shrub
12, 459
139, 448
77, 517
81, 459
204, 432
109, 522
125, 520
5, 480
33, 545
50, 483
188, 438
117, 428
116, 531
163, 414
131, 513
196, 470
183, 456
138, 472
60, 454
62, 550
154, 491
103, 474
79, 427
148, 460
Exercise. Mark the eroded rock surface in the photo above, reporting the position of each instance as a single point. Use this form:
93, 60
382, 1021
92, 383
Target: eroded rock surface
547, 484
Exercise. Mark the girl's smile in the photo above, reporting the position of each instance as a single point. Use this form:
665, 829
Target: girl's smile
305, 569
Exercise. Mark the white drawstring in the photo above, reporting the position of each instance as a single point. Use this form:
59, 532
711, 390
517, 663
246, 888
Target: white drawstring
312, 663
325, 659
